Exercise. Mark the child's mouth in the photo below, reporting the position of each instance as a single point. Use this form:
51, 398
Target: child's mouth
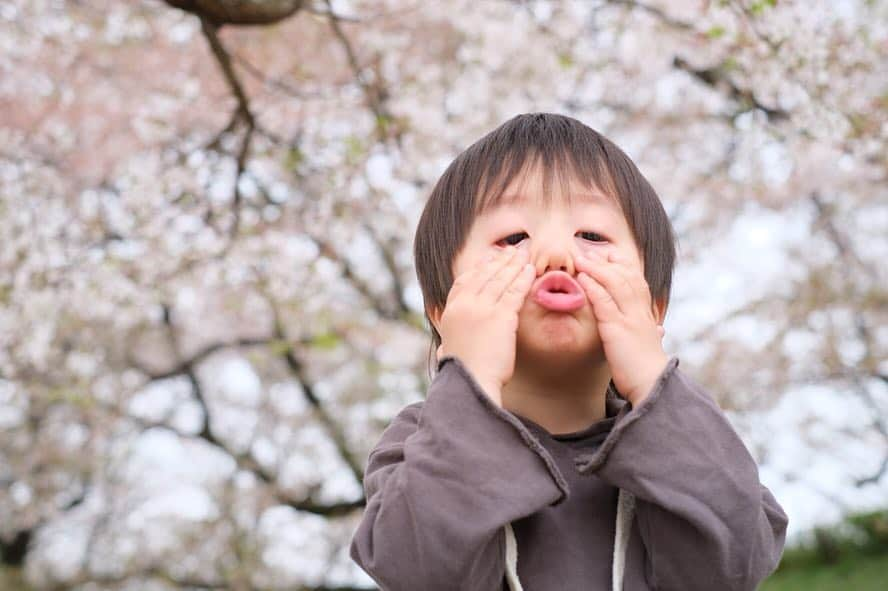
559, 292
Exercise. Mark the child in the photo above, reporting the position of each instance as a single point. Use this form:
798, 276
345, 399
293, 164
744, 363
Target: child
559, 447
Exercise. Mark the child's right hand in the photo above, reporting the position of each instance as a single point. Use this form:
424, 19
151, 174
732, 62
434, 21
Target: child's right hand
479, 323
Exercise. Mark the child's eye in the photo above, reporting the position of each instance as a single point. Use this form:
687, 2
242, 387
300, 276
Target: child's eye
515, 238
595, 237
513, 242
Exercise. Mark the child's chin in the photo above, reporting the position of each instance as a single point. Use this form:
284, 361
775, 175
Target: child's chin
562, 348
561, 333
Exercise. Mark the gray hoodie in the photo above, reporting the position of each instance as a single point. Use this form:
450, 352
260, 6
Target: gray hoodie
465, 495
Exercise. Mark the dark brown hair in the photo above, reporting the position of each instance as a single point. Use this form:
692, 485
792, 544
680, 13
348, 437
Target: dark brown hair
477, 178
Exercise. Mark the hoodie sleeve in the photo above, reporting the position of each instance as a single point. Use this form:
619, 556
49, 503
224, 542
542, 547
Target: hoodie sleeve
445, 478
705, 519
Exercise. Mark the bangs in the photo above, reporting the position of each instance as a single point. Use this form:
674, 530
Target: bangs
590, 174
561, 155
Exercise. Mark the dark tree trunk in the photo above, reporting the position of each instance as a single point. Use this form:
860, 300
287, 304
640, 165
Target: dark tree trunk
239, 12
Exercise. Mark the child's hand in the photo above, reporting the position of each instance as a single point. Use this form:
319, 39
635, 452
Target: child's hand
630, 334
480, 319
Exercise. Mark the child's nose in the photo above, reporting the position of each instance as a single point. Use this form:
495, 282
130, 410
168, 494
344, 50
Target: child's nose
556, 262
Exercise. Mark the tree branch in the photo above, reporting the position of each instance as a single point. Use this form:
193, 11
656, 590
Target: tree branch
383, 310
388, 259
656, 12
243, 112
333, 429
375, 94
211, 33
245, 461
240, 12
716, 77
848, 259
719, 79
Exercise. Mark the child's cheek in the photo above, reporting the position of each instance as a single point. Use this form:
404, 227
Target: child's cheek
598, 253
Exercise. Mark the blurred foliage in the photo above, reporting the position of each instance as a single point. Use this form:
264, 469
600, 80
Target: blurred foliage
859, 572
851, 555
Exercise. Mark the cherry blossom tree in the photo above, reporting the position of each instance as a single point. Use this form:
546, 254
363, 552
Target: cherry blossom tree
208, 310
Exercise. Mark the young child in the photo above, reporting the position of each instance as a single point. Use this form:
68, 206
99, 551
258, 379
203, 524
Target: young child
559, 447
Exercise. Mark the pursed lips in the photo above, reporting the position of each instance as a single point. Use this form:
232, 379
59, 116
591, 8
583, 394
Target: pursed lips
558, 291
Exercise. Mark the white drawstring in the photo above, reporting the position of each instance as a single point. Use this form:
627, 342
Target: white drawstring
512, 559
625, 513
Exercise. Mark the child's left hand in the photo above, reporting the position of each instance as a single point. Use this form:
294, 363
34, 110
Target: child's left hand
629, 329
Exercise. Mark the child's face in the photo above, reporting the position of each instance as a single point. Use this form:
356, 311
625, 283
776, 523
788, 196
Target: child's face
554, 236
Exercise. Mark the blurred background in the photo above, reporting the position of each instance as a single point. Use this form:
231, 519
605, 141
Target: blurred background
208, 306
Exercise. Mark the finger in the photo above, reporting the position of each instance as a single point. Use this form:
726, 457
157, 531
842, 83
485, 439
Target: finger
614, 282
637, 291
494, 269
632, 270
611, 258
497, 284
661, 331
515, 293
604, 306
635, 294
475, 277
